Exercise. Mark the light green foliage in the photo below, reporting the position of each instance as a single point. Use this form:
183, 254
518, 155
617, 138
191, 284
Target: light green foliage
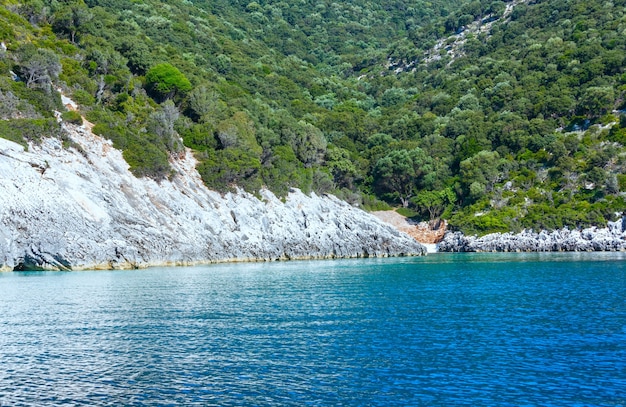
238, 132
23, 131
146, 154
146, 159
480, 172
342, 167
166, 81
73, 117
205, 105
161, 123
596, 100
434, 202
223, 64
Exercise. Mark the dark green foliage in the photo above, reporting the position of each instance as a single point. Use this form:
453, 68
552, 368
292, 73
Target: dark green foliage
146, 155
401, 172
226, 169
23, 131
284, 172
147, 160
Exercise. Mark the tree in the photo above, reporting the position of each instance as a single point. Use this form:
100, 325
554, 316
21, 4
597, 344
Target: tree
138, 54
434, 202
162, 123
238, 131
597, 100
204, 104
165, 81
342, 167
223, 64
309, 144
226, 168
38, 66
401, 171
480, 172
71, 17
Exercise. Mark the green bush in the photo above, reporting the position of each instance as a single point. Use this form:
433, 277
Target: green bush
45, 103
23, 131
371, 203
83, 98
147, 160
224, 169
72, 116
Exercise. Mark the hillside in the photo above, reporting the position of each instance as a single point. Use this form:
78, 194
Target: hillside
496, 116
81, 208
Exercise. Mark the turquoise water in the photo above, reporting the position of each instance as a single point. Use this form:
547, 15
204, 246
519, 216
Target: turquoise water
449, 329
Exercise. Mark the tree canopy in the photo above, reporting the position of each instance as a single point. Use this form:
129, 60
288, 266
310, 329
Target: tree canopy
165, 81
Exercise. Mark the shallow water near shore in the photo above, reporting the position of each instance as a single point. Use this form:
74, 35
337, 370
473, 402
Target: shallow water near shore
447, 329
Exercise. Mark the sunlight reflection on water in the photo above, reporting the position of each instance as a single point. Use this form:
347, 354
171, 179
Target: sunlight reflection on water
479, 329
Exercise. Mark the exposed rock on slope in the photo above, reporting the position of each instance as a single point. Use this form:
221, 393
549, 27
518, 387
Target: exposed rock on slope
61, 209
452, 46
428, 235
611, 238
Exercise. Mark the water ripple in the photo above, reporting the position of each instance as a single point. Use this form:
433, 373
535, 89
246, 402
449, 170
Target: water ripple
465, 330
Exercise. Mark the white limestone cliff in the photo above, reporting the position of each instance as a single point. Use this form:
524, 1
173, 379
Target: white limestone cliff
64, 209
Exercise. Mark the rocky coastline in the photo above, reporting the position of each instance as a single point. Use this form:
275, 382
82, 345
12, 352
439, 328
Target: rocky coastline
81, 208
610, 238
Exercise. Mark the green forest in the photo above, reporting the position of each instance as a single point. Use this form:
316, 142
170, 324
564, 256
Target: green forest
493, 115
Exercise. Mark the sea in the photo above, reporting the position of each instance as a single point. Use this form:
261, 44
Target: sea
514, 329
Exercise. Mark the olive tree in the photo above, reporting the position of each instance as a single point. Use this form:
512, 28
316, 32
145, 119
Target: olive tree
401, 172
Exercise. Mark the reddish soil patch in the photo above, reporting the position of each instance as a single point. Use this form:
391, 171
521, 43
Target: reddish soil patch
423, 232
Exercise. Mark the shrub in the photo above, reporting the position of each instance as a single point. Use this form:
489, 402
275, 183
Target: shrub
83, 98
147, 160
24, 130
72, 116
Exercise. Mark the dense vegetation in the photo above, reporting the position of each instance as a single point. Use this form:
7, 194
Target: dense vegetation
404, 103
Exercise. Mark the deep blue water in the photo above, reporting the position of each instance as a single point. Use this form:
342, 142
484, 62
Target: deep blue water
449, 329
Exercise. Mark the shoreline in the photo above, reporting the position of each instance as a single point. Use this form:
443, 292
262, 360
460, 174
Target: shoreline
611, 238
131, 266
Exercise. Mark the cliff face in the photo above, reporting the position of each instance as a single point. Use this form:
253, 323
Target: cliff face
64, 209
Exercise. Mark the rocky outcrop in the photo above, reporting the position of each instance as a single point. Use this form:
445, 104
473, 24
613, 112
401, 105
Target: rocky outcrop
611, 238
66, 209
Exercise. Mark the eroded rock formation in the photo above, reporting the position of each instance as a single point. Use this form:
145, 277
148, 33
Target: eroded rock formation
65, 209
611, 238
